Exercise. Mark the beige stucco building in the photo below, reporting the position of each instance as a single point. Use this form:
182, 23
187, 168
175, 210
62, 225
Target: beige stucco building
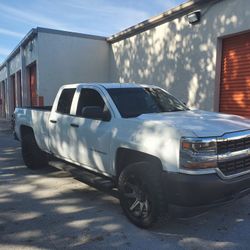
206, 63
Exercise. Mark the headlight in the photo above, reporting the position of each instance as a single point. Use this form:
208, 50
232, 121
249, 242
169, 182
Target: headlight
199, 145
198, 153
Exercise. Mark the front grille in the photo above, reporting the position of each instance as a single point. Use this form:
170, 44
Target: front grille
233, 145
235, 166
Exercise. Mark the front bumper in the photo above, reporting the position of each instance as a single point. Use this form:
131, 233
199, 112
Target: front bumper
209, 190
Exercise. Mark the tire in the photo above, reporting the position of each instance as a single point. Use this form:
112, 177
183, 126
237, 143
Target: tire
33, 156
141, 195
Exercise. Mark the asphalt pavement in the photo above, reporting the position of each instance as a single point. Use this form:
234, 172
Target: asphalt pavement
49, 209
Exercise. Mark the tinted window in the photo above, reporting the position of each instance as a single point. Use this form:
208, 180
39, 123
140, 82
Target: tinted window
89, 97
132, 102
65, 101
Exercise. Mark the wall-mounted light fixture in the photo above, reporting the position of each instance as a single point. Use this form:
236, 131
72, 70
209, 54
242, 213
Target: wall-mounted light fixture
194, 17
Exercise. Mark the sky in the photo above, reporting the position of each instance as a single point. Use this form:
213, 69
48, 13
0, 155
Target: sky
96, 17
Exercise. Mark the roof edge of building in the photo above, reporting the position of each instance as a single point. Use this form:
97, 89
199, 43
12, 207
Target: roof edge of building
70, 33
157, 20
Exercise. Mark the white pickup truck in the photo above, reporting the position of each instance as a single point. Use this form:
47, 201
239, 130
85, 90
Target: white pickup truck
158, 153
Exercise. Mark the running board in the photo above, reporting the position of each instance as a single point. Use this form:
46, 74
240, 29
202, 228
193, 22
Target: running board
92, 179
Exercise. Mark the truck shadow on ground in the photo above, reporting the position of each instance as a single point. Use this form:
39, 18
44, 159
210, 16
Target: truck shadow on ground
49, 209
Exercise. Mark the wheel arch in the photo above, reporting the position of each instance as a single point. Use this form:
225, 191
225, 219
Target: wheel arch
125, 157
24, 130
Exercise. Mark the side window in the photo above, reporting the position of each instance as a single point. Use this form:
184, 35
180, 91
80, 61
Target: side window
89, 97
65, 101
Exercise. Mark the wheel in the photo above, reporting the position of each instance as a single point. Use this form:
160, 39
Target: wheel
141, 195
33, 156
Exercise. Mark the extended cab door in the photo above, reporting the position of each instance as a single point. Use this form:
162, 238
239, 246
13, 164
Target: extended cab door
90, 138
59, 124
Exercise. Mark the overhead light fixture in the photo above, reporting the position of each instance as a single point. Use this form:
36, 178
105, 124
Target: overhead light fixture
194, 17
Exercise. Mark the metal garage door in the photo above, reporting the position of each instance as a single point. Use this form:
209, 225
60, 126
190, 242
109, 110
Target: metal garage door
235, 75
32, 80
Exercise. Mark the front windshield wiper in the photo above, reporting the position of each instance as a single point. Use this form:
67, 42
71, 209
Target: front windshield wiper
176, 110
138, 114
132, 115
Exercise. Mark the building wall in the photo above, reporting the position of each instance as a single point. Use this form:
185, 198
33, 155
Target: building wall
182, 58
31, 51
60, 59
64, 59
3, 74
8, 73
15, 64
2, 97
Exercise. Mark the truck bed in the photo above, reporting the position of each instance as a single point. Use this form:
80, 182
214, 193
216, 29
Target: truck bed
38, 119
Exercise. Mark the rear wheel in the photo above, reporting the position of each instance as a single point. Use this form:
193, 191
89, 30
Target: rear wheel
33, 156
141, 195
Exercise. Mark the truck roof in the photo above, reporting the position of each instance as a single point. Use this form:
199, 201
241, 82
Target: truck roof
112, 85
120, 85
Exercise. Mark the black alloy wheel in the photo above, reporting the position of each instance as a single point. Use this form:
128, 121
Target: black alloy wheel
141, 195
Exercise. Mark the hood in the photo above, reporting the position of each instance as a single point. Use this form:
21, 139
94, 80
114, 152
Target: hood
201, 123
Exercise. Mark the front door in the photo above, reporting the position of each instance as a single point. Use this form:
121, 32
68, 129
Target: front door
90, 138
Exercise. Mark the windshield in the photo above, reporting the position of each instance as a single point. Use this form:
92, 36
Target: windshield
132, 102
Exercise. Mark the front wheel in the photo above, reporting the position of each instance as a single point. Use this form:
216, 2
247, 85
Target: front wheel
141, 195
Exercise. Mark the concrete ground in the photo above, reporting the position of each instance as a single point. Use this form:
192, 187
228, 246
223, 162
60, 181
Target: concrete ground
49, 209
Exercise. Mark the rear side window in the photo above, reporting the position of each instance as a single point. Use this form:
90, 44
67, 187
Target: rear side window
89, 97
65, 101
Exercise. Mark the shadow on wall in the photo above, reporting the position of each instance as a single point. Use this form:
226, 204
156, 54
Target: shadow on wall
178, 56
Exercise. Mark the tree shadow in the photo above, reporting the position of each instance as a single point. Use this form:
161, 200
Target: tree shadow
182, 58
50, 209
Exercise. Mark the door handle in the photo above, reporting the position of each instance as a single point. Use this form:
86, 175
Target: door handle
53, 121
74, 125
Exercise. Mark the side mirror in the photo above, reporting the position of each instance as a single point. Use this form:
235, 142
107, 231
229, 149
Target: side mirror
96, 113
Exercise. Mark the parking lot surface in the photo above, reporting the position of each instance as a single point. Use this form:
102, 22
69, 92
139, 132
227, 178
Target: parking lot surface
49, 209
